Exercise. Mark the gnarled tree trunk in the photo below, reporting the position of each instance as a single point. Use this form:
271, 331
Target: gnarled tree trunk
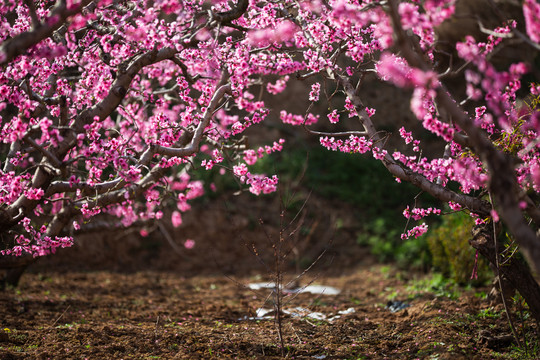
514, 269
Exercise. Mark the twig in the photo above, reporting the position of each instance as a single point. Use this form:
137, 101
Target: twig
58, 319
169, 238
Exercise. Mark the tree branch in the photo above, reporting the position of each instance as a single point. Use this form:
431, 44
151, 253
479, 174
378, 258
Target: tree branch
233, 14
135, 190
502, 178
473, 204
19, 44
117, 92
199, 131
50, 156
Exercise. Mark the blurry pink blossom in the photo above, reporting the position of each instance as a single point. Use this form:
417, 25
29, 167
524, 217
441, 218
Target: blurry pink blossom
281, 33
494, 215
278, 87
176, 219
189, 244
531, 12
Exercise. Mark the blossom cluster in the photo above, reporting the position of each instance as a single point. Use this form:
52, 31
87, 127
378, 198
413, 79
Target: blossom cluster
419, 213
251, 156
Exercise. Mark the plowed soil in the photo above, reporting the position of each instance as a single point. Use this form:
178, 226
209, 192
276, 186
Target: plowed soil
159, 315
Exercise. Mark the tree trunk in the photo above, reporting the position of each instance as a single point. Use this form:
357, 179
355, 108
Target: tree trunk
13, 267
514, 269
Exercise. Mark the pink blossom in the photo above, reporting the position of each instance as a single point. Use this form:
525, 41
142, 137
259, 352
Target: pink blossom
261, 184
34, 194
531, 12
189, 244
333, 117
415, 231
407, 136
278, 87
469, 174
176, 218
292, 119
285, 31
454, 206
419, 213
314, 94
370, 111
240, 170
353, 144
250, 156
394, 69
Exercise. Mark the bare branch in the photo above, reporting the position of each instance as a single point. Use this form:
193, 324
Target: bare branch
50, 156
13, 149
184, 69
57, 187
343, 133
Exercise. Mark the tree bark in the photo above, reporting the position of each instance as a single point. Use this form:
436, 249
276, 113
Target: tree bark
13, 268
514, 269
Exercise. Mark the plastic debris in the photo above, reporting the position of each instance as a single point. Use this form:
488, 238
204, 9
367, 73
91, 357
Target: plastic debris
298, 312
395, 306
313, 289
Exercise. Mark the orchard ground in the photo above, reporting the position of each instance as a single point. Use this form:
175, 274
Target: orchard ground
122, 296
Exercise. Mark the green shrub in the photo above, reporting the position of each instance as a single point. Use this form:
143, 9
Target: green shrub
450, 250
383, 237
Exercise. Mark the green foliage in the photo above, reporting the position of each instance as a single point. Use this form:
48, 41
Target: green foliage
358, 180
452, 255
436, 284
383, 237
363, 182
379, 238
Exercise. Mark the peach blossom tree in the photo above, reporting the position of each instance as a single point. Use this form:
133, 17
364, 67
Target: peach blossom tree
107, 105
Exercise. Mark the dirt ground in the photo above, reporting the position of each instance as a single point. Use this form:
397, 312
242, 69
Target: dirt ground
127, 297
162, 315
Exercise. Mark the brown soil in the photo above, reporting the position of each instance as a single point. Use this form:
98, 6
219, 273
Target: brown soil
127, 297
160, 315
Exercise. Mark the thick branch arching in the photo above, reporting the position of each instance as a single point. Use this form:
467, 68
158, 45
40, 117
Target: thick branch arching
104, 108
134, 190
473, 204
502, 180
